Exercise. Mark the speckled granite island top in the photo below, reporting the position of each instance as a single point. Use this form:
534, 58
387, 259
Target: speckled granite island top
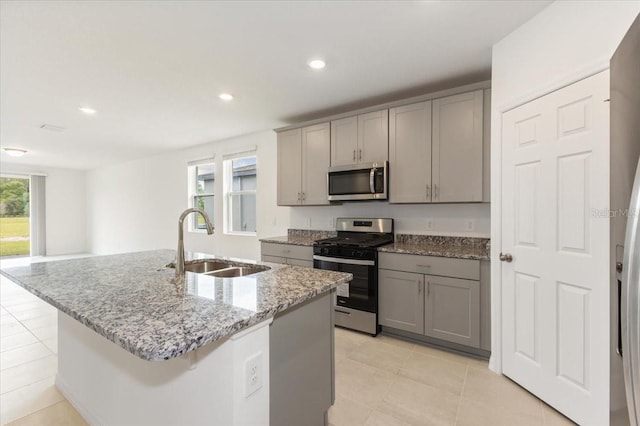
130, 299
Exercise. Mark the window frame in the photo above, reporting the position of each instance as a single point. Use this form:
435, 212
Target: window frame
193, 195
229, 193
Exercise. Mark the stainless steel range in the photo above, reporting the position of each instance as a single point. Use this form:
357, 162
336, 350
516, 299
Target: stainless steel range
354, 251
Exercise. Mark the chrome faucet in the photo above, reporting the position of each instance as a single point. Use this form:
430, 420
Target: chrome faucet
180, 255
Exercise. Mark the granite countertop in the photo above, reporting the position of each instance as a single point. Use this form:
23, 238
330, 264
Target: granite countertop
423, 245
426, 245
296, 241
131, 299
300, 237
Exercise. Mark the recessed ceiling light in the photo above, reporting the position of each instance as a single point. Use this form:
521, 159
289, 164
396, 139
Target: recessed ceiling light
15, 152
225, 96
317, 64
88, 110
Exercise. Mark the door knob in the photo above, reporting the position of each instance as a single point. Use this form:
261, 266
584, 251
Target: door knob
506, 257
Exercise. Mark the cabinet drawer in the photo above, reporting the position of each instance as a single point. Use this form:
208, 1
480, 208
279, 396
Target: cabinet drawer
431, 265
300, 262
287, 250
273, 259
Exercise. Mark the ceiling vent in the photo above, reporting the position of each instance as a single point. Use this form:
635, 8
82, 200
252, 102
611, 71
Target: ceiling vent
52, 128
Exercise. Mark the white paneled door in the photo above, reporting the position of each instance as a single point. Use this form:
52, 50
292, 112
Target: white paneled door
555, 305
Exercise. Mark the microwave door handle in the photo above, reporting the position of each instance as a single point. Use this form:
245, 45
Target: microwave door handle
372, 176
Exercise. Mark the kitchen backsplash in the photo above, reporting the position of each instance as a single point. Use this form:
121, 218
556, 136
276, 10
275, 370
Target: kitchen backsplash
462, 220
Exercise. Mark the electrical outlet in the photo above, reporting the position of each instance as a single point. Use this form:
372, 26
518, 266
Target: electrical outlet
469, 224
253, 374
429, 225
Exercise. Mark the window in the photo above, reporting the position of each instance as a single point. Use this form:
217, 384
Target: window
201, 192
240, 181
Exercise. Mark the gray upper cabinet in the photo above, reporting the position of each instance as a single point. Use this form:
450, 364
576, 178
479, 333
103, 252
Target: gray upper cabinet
457, 148
436, 150
360, 139
452, 310
289, 167
373, 137
410, 153
344, 141
315, 161
400, 302
303, 159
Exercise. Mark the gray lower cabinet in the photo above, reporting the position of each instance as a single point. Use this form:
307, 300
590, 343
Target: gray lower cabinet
288, 254
452, 310
302, 364
400, 300
445, 303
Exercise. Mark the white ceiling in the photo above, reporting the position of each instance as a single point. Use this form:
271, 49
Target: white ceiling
154, 69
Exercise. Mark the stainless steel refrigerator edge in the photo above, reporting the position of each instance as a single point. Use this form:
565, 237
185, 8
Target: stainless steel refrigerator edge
631, 304
625, 152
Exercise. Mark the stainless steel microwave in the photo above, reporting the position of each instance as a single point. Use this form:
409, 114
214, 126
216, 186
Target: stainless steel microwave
358, 182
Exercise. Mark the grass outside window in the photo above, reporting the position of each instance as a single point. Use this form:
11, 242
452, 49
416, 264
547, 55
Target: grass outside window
14, 236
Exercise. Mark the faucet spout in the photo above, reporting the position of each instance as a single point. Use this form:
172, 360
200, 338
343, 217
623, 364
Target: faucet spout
180, 254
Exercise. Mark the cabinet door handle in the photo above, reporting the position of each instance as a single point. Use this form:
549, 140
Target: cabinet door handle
354, 155
428, 192
359, 154
304, 196
419, 287
299, 196
428, 288
436, 193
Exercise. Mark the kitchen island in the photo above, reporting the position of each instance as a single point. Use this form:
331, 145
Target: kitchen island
136, 348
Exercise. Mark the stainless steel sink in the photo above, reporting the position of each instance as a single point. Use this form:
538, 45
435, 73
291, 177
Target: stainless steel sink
206, 266
222, 268
238, 271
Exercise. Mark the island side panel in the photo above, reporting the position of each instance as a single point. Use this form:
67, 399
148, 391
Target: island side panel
302, 363
110, 386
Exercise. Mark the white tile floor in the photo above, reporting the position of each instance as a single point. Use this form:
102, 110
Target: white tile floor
386, 381
28, 361
380, 381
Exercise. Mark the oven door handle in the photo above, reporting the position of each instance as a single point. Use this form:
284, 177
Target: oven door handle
347, 261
